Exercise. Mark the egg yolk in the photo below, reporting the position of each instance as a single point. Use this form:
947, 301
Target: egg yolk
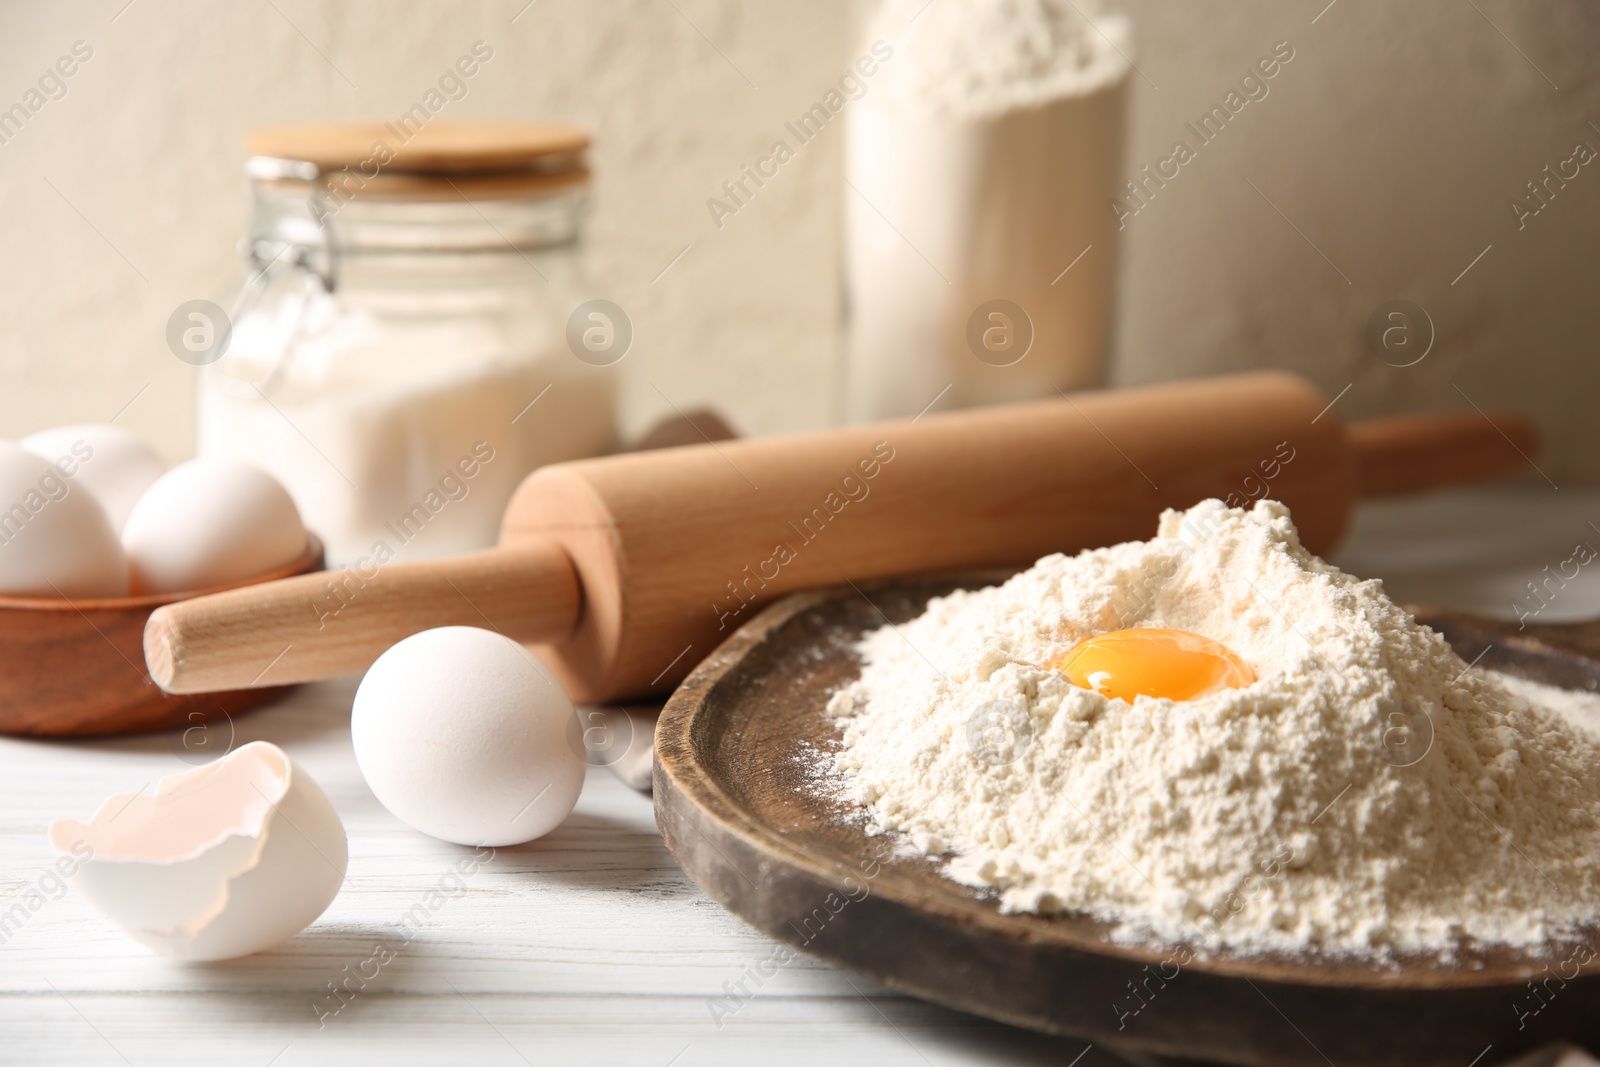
1172, 664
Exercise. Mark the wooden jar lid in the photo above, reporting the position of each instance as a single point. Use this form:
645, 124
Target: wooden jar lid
439, 159
439, 147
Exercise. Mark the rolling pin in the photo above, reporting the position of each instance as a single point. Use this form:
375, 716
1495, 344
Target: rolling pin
625, 571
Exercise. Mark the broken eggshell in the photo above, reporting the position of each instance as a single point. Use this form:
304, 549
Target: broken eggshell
222, 861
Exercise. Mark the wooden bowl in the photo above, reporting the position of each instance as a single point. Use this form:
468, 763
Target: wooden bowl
75, 668
741, 809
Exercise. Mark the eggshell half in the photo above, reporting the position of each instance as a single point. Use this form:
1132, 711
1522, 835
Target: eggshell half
222, 861
108, 461
210, 522
463, 734
55, 538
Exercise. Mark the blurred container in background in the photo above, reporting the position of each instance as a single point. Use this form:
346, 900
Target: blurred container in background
980, 253
399, 357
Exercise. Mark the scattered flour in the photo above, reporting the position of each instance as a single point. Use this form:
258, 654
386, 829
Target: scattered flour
1369, 794
1580, 709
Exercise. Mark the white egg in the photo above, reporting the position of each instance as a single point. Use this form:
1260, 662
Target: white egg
464, 735
221, 861
108, 461
210, 522
55, 538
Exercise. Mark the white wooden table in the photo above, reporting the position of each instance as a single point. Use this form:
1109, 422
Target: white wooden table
589, 946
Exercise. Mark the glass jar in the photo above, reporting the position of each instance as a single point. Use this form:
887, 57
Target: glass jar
398, 356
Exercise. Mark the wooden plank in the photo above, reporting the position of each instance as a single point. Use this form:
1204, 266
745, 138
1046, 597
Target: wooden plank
590, 945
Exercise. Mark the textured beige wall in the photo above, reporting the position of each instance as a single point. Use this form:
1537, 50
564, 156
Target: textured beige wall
147, 146
1392, 141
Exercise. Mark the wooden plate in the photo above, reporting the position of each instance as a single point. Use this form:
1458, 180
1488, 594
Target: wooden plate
741, 814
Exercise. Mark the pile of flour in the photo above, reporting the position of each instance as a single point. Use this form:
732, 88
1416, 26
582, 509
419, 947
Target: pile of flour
1369, 794
978, 58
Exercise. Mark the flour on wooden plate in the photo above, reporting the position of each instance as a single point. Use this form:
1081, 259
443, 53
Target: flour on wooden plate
1369, 794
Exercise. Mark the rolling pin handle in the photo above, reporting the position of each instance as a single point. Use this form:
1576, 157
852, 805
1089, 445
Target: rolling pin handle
1411, 453
329, 623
